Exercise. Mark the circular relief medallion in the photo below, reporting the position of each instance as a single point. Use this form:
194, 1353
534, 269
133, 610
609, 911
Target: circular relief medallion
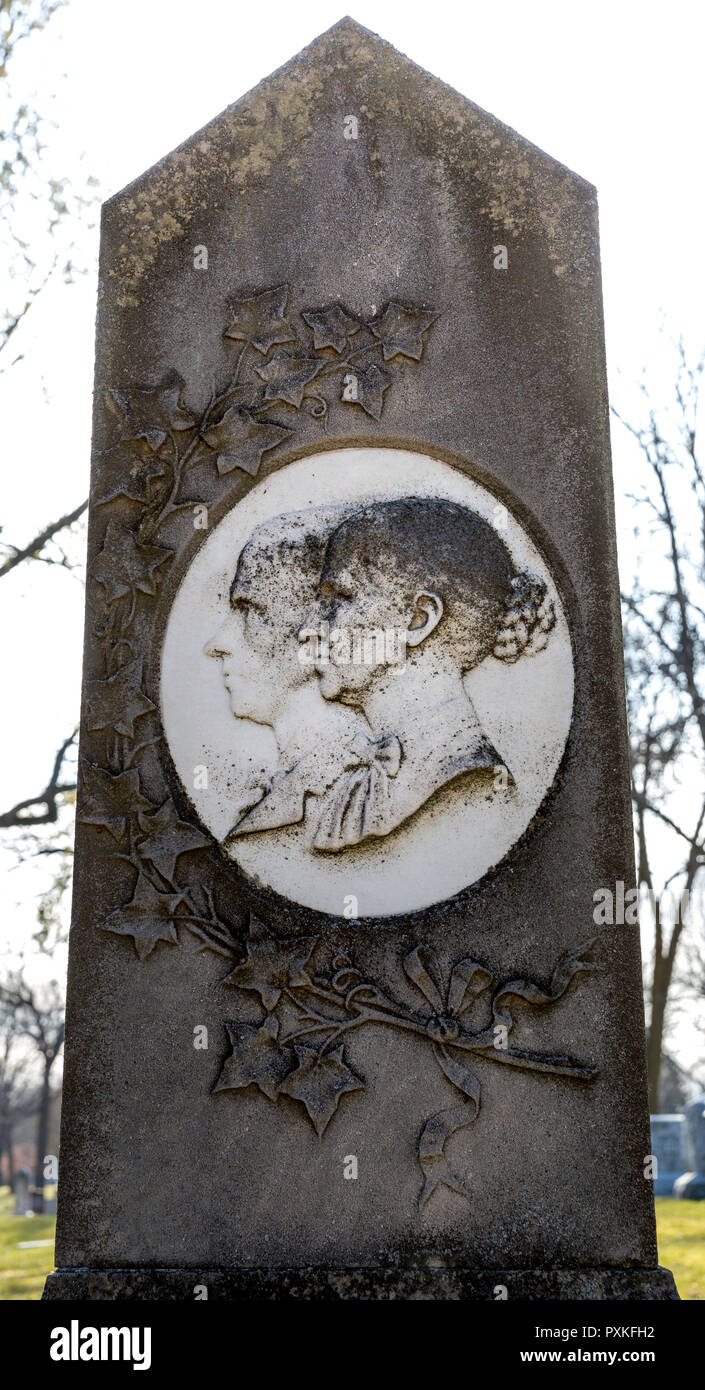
367, 682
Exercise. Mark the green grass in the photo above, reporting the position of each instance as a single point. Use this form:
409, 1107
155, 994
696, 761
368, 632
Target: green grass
22, 1272
681, 1243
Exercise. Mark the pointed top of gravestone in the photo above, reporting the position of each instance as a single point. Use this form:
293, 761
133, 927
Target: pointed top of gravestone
287, 130
351, 49
348, 30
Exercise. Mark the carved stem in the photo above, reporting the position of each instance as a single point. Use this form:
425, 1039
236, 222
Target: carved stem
340, 366
203, 928
556, 1066
149, 531
482, 1042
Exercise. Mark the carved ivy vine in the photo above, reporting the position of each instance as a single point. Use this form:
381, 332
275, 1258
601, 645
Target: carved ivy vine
297, 1049
281, 367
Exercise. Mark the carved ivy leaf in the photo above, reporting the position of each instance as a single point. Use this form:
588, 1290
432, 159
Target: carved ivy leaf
261, 320
148, 918
152, 414
319, 1082
240, 441
287, 377
371, 383
117, 702
137, 471
331, 327
400, 330
256, 1058
110, 799
123, 566
166, 837
272, 965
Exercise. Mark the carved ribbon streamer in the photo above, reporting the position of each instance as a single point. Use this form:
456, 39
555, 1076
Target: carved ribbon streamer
438, 1130
415, 967
467, 981
569, 966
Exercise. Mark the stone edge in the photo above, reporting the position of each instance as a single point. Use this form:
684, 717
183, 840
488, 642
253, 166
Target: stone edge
360, 1284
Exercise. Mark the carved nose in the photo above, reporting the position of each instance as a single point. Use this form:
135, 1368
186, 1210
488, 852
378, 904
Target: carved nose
216, 646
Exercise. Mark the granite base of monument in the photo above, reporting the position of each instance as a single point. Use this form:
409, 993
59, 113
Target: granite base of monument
363, 1285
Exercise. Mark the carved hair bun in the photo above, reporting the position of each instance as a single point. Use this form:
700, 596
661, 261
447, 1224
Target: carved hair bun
528, 618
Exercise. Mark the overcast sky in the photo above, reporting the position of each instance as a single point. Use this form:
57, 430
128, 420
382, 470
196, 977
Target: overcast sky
613, 89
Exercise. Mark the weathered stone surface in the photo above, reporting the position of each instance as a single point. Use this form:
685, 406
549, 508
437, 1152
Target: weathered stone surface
348, 334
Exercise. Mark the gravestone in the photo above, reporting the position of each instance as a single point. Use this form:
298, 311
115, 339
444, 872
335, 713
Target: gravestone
23, 1203
691, 1185
667, 1148
341, 1023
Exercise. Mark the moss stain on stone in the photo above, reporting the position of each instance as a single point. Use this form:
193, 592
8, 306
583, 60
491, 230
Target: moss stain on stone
273, 122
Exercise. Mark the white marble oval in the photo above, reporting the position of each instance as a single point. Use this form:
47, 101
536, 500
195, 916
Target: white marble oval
424, 782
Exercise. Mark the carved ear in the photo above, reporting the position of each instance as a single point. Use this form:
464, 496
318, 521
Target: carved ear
428, 611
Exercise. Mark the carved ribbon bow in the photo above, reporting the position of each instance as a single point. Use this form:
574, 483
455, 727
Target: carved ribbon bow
383, 754
467, 981
357, 802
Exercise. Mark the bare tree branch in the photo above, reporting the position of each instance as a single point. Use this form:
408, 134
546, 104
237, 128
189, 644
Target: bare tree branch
38, 1013
33, 550
49, 798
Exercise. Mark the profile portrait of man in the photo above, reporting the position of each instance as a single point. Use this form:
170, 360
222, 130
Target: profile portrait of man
275, 580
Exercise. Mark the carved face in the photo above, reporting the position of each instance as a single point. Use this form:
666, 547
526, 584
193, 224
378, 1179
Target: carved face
256, 641
424, 569
363, 621
275, 582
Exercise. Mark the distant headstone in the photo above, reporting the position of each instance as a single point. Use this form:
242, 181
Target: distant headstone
667, 1148
343, 1021
23, 1201
691, 1185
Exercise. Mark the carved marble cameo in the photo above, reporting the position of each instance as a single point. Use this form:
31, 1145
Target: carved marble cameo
367, 681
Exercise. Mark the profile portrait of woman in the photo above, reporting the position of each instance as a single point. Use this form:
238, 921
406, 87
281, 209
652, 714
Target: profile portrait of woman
443, 574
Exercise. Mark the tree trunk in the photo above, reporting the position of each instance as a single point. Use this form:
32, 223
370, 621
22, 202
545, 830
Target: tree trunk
654, 1047
9, 1139
42, 1132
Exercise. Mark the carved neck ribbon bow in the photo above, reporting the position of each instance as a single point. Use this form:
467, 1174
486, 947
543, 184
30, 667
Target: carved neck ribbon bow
357, 804
382, 754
